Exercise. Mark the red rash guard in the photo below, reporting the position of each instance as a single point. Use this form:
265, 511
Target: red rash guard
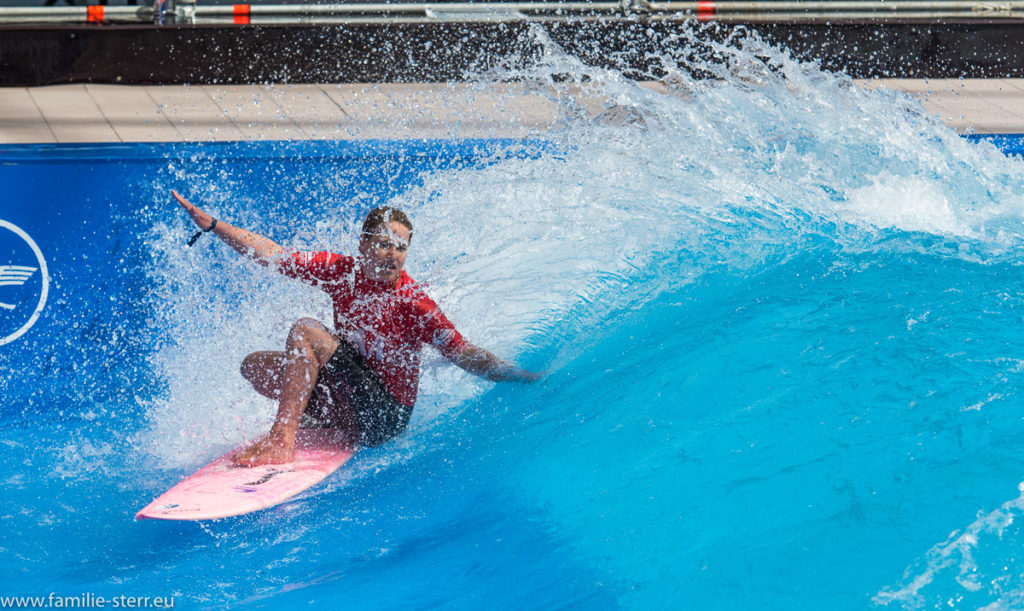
387, 325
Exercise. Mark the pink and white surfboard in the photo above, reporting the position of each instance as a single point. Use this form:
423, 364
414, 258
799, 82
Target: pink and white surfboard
222, 489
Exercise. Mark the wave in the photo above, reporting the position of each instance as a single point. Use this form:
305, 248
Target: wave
752, 291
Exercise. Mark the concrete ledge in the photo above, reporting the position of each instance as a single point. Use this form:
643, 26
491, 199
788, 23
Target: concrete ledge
982, 106
122, 113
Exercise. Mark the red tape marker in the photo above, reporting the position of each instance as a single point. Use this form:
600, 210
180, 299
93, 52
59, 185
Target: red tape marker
94, 13
241, 12
705, 10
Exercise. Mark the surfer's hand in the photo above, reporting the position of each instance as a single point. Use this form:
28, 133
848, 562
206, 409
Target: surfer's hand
270, 450
200, 218
533, 376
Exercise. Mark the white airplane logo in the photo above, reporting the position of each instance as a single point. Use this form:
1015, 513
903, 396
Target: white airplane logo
14, 275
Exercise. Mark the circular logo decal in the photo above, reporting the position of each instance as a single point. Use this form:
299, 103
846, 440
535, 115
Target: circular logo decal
24, 282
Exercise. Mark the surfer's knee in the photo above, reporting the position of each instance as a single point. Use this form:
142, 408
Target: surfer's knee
303, 331
308, 337
263, 371
250, 366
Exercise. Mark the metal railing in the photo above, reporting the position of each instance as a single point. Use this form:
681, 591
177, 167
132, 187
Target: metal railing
188, 12
184, 11
839, 10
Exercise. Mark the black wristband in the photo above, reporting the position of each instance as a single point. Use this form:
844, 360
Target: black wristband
199, 233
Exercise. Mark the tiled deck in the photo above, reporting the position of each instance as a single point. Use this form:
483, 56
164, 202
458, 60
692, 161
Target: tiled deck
112, 113
117, 113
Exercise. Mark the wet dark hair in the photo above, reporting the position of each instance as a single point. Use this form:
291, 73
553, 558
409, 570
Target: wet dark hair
380, 219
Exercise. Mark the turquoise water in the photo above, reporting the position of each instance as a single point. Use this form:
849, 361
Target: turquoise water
781, 316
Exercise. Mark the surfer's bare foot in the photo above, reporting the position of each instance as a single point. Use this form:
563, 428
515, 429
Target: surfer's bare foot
267, 451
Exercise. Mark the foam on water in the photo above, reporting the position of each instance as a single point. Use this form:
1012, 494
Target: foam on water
764, 298
775, 140
972, 585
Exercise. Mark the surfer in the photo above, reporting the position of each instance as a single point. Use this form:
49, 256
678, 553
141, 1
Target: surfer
362, 377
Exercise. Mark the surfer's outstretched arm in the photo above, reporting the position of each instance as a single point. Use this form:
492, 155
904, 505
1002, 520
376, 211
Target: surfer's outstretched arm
263, 250
478, 361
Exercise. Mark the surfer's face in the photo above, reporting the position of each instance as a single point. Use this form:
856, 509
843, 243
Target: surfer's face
383, 254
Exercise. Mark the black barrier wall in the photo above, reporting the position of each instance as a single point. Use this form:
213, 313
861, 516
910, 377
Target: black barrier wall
428, 52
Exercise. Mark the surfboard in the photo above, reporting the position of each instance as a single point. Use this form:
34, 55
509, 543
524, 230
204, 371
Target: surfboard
222, 489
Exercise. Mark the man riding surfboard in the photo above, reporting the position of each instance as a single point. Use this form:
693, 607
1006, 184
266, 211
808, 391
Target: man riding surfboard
362, 377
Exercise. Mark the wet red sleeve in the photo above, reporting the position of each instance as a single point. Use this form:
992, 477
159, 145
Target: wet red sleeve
315, 267
437, 330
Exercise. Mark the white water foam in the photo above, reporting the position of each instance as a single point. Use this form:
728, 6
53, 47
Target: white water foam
970, 562
661, 181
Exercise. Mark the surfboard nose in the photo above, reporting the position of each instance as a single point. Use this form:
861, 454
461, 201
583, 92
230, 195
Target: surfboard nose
222, 490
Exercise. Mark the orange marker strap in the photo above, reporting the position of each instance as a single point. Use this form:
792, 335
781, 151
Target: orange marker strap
241, 12
705, 10
94, 13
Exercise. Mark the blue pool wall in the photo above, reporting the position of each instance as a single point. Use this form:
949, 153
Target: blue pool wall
70, 200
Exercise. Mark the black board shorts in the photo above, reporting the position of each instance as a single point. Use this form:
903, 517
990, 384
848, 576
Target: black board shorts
347, 379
